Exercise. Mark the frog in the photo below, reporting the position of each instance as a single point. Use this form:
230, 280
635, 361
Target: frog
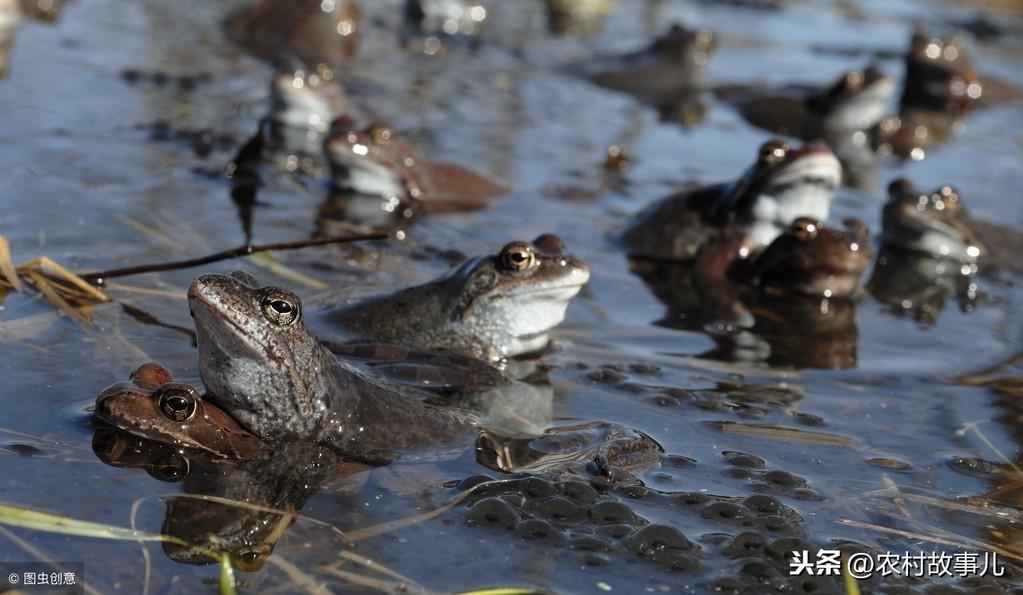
303, 103
933, 223
666, 74
940, 88
260, 363
938, 224
802, 287
855, 102
669, 66
155, 407
375, 161
264, 367
811, 259
784, 183
314, 32
489, 307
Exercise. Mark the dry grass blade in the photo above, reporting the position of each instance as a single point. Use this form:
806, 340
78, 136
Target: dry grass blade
785, 433
42, 283
301, 579
52, 267
372, 565
268, 262
7, 265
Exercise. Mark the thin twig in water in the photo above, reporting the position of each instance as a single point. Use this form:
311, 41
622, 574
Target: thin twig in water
99, 277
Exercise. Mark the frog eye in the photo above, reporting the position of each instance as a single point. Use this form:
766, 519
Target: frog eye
805, 228
382, 134
176, 401
517, 256
772, 151
949, 196
281, 308
853, 80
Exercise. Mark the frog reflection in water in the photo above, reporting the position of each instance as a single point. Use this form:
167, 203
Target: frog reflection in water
782, 185
489, 307
667, 73
789, 305
375, 162
238, 507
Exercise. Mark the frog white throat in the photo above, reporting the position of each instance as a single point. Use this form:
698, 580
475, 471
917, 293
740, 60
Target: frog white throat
365, 176
520, 323
804, 188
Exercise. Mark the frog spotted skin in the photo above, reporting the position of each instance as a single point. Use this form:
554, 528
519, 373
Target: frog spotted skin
262, 365
153, 406
935, 223
782, 185
489, 307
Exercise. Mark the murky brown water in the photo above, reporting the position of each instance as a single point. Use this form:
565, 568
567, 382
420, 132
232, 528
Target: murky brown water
867, 449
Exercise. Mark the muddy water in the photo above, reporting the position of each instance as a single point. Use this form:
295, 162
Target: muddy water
758, 460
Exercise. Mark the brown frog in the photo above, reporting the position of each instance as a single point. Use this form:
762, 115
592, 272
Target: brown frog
153, 406
941, 86
376, 161
811, 259
315, 32
937, 224
789, 305
784, 183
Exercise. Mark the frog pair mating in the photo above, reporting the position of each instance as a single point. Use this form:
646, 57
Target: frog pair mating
270, 377
721, 223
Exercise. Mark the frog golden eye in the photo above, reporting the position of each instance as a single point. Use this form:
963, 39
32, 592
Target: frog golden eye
176, 401
281, 308
773, 151
517, 256
805, 229
382, 134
